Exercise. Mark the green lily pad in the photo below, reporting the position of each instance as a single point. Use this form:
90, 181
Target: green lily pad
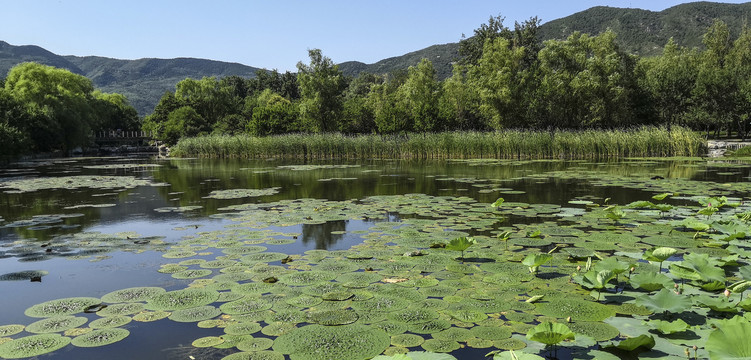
315, 342
67, 306
100, 337
579, 310
110, 322
33, 345
182, 299
195, 314
56, 324
135, 294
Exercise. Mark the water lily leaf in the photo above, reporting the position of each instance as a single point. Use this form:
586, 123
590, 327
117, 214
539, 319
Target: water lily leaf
56, 324
550, 333
534, 261
696, 225
659, 254
100, 337
730, 340
67, 306
417, 355
596, 279
316, 342
497, 203
516, 355
650, 281
665, 301
461, 243
33, 345
669, 327
660, 197
639, 344
698, 267
719, 304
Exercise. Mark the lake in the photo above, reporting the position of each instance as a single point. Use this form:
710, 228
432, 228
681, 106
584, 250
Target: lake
276, 254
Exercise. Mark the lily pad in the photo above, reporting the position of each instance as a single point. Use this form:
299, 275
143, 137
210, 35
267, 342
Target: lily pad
314, 342
67, 306
100, 337
33, 345
56, 324
195, 314
135, 294
182, 299
580, 310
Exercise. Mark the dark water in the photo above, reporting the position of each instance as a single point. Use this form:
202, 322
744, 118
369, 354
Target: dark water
189, 181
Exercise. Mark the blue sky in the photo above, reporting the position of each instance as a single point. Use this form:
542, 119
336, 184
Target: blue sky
268, 34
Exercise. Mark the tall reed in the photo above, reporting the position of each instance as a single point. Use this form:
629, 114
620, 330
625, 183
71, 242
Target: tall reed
638, 142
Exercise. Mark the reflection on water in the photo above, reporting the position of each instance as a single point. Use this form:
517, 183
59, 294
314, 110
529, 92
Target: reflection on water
55, 229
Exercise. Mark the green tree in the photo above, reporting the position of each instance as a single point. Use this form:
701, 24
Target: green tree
499, 78
59, 103
113, 111
739, 64
670, 79
321, 86
182, 122
421, 92
155, 122
212, 99
273, 114
459, 103
585, 82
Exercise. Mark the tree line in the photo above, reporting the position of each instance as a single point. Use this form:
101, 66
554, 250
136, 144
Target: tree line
505, 79
44, 109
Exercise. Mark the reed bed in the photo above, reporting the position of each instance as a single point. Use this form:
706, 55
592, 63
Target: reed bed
570, 144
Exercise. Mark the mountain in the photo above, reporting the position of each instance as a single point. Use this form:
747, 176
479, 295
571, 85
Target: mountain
641, 32
143, 81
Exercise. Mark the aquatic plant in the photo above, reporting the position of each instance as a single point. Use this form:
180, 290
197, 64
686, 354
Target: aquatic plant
665, 301
659, 254
56, 324
34, 345
550, 333
534, 261
316, 342
461, 244
66, 306
100, 337
182, 299
730, 340
134, 294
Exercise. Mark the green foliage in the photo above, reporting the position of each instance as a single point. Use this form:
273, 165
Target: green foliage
321, 86
665, 301
550, 333
730, 340
534, 261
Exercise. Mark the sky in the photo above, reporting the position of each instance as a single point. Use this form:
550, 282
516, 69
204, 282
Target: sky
267, 34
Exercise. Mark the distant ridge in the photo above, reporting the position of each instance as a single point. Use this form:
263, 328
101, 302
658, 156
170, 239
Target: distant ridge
641, 32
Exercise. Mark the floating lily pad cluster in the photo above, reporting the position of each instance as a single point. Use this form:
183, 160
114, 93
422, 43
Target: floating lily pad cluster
23, 185
654, 276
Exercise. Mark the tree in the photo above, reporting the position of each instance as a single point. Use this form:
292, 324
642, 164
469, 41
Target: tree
59, 104
670, 80
113, 111
420, 93
212, 99
182, 122
499, 78
459, 103
273, 114
155, 122
715, 86
321, 89
739, 63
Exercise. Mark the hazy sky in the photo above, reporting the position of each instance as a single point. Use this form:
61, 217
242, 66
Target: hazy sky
268, 34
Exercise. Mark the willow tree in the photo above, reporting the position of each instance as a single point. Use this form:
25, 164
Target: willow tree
59, 104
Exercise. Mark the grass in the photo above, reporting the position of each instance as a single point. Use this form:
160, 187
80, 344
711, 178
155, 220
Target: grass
638, 142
